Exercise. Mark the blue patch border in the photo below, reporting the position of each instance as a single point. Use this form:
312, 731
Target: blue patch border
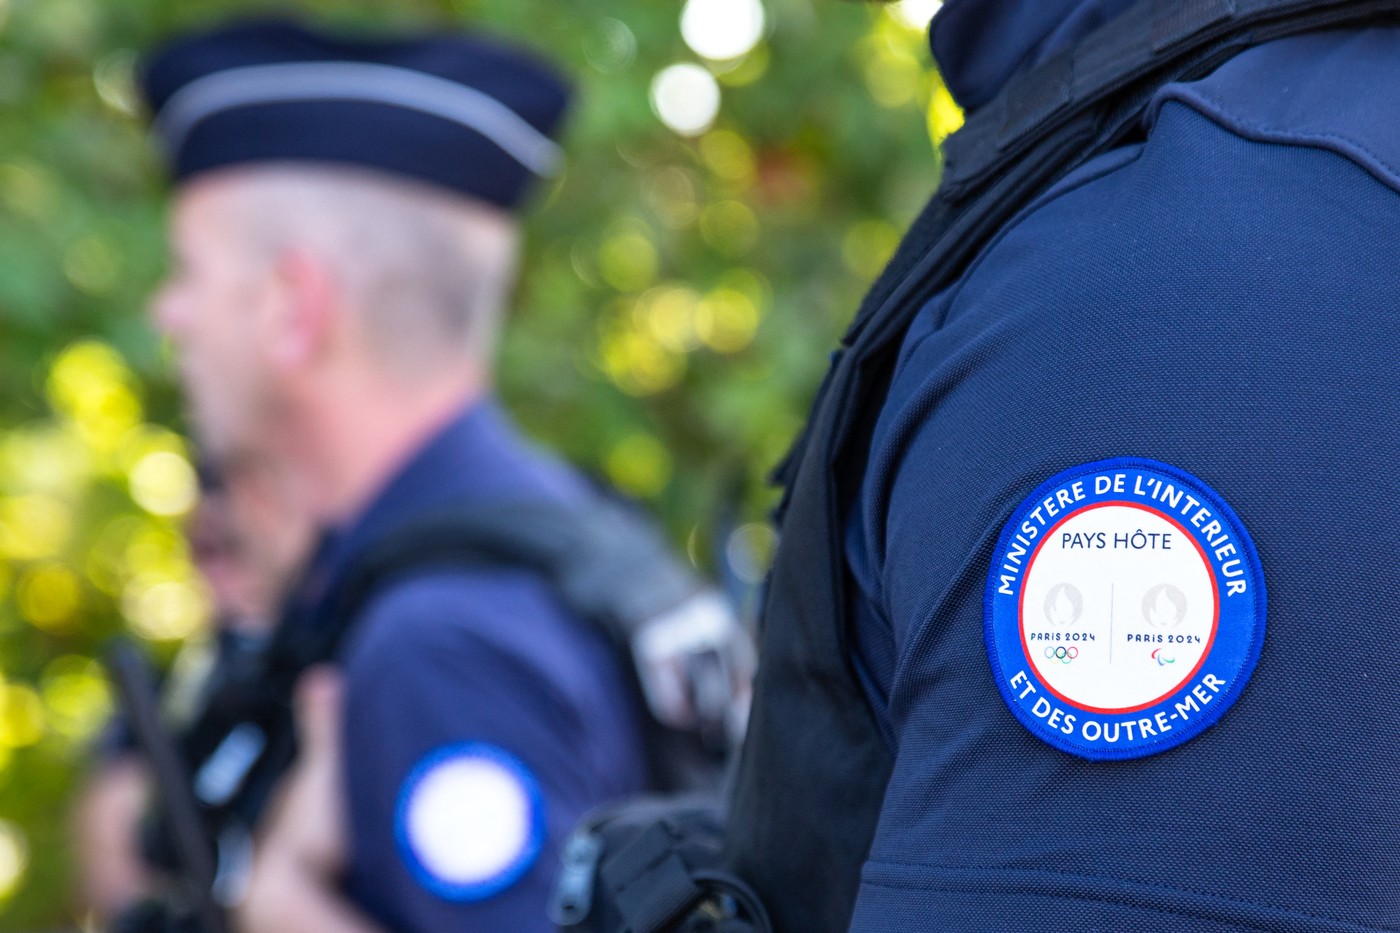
1222, 703
506, 877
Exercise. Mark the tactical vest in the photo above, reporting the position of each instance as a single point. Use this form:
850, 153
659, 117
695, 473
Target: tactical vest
607, 565
814, 769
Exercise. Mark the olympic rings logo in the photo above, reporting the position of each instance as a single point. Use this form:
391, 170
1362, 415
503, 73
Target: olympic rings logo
1062, 654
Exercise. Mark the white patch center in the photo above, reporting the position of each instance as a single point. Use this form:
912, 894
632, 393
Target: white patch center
469, 820
1118, 608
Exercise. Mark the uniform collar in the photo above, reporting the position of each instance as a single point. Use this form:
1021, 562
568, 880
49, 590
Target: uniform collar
980, 44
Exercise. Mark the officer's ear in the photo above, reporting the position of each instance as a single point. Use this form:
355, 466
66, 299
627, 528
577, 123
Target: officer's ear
305, 314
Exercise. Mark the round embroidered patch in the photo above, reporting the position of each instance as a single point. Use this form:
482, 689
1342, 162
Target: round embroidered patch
469, 821
1125, 609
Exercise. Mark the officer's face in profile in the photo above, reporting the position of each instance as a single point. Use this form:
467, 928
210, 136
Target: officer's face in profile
214, 306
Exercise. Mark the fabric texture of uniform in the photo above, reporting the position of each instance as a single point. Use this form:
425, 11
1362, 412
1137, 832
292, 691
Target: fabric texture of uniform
453, 657
1216, 297
460, 112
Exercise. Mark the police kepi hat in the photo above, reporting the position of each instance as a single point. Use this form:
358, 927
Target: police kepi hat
458, 111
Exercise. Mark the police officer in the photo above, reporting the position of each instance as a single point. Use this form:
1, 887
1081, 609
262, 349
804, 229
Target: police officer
344, 240
1081, 614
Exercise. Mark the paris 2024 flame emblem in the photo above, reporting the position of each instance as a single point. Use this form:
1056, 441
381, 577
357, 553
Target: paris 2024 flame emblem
1064, 604
1164, 607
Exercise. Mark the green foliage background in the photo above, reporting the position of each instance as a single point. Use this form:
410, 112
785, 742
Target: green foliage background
677, 305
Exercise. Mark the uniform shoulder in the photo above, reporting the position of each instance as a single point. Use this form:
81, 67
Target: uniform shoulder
1314, 90
458, 619
1178, 307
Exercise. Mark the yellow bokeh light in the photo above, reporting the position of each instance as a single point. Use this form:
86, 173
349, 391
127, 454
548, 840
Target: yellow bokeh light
729, 226
153, 550
868, 246
945, 117
14, 859
148, 439
108, 416
91, 385
729, 156
48, 597
639, 465
893, 74
83, 368
46, 458
76, 697
628, 261
165, 610
34, 526
163, 483
638, 365
21, 716
726, 320
667, 315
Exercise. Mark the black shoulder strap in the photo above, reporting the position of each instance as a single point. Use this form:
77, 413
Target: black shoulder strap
609, 565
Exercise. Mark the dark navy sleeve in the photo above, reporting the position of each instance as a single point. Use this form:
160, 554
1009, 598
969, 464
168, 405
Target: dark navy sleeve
1214, 303
482, 721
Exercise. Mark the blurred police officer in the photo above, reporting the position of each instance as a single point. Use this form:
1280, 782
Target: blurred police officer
344, 241
1134, 362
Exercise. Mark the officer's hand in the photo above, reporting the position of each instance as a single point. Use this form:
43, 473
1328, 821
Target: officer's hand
299, 858
310, 821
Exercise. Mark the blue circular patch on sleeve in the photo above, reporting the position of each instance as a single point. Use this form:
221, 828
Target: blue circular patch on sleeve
1125, 609
469, 821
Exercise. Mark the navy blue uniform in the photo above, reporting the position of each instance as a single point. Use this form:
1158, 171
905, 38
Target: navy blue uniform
1220, 298
452, 669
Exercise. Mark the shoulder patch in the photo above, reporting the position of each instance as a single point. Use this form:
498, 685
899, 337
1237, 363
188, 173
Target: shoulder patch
470, 821
1125, 609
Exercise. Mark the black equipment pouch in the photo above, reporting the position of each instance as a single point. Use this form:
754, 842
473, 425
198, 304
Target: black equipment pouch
608, 565
653, 864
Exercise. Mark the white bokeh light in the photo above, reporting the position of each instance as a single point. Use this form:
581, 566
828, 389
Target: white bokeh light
916, 13
686, 98
721, 30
